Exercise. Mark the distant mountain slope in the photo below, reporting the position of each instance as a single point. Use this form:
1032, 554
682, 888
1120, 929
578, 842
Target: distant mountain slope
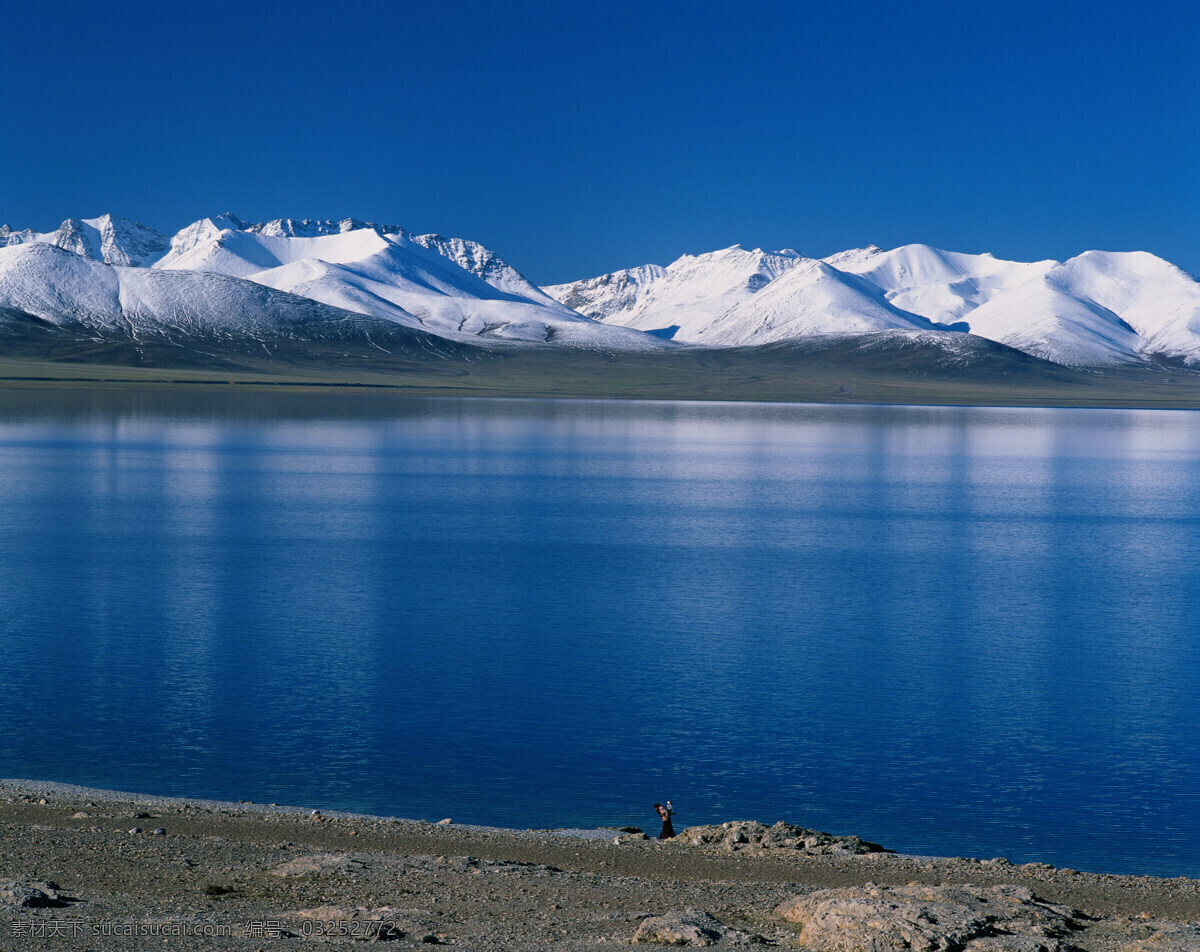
942, 286
486, 264
90, 299
1158, 300
450, 287
468, 255
808, 300
1098, 309
1095, 309
682, 300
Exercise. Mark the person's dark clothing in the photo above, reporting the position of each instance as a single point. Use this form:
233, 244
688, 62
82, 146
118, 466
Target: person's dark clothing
668, 831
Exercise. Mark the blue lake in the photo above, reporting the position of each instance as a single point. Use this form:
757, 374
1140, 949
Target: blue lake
949, 630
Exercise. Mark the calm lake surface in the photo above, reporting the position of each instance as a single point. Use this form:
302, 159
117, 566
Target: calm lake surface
952, 631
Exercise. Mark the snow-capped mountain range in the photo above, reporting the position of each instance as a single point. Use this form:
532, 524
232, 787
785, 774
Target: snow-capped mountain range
1097, 309
226, 277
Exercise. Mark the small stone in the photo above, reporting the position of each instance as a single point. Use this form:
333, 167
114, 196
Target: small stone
79, 816
135, 830
158, 831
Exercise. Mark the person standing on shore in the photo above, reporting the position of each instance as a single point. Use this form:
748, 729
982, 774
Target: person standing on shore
668, 831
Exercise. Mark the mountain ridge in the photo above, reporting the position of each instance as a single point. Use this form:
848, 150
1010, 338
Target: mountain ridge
453, 288
1095, 310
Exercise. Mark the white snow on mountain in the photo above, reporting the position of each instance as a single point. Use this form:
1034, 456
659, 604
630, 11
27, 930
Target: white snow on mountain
682, 300
241, 253
203, 231
940, 285
609, 294
450, 287
1005, 301
810, 299
486, 264
314, 227
199, 232
9, 236
453, 288
68, 289
1097, 309
468, 255
1156, 299
738, 297
108, 238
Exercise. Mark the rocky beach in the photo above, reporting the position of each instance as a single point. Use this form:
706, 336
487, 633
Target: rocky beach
96, 870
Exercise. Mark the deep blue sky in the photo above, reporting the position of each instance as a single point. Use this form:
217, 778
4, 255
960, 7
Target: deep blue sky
580, 137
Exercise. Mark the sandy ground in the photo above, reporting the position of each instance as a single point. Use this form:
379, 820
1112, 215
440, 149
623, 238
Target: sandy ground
269, 877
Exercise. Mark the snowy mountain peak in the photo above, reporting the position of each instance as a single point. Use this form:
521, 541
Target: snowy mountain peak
221, 232
203, 230
609, 294
448, 286
681, 300
482, 262
853, 256
736, 253
10, 236
128, 243
74, 236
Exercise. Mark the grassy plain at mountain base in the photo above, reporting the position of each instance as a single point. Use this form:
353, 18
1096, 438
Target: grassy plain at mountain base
873, 369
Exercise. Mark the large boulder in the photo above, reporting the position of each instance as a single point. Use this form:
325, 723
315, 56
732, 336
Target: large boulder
929, 919
31, 894
780, 836
690, 927
1154, 935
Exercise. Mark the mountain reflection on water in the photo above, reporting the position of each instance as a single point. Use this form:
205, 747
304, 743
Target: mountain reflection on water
949, 630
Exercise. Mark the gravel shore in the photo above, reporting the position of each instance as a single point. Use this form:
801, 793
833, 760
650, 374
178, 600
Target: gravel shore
96, 870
